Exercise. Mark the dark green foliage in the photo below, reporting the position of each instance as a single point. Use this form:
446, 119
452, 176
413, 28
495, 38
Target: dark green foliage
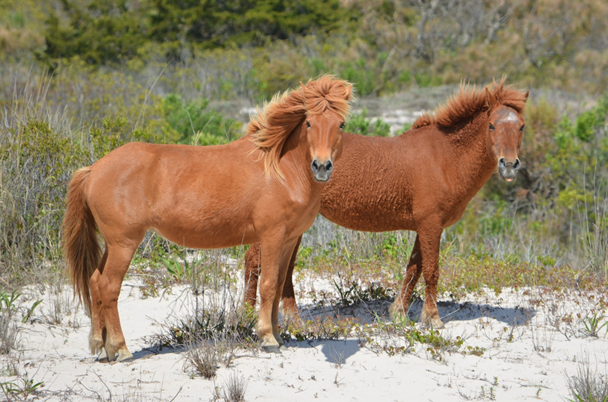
587, 123
194, 123
109, 31
105, 32
213, 23
360, 74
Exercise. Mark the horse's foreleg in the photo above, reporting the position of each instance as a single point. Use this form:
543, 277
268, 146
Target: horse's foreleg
270, 287
252, 273
429, 247
96, 336
399, 308
290, 308
110, 281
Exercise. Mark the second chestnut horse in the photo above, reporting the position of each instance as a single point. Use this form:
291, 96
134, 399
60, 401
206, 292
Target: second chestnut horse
421, 180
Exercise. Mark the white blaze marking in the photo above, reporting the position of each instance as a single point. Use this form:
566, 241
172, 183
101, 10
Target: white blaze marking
512, 116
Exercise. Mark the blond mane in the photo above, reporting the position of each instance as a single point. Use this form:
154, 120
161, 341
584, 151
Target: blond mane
272, 126
470, 101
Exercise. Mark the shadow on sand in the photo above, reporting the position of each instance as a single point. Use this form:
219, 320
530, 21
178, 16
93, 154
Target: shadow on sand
449, 311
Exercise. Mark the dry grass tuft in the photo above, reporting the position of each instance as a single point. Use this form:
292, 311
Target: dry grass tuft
588, 385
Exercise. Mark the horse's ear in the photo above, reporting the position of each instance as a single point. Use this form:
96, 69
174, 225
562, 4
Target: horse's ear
490, 100
526, 96
349, 91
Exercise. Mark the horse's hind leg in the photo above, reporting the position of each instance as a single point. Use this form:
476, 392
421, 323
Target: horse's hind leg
286, 257
96, 336
252, 273
119, 258
429, 246
400, 306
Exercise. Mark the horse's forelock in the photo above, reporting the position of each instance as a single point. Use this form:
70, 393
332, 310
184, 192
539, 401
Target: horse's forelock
328, 93
272, 126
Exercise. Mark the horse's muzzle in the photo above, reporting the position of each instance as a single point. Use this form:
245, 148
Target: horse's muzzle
322, 170
508, 170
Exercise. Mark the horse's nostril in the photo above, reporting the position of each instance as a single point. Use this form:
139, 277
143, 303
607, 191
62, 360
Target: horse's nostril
502, 163
329, 166
516, 164
315, 165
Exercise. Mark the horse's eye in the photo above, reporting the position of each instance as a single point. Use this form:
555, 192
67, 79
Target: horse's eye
522, 128
342, 126
492, 126
307, 124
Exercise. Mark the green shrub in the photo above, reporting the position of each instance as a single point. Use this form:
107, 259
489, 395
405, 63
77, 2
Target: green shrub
36, 164
359, 123
194, 123
104, 32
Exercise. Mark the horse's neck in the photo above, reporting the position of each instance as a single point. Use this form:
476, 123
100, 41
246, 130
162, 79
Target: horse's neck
474, 163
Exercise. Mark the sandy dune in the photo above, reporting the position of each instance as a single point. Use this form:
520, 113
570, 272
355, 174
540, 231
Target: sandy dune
531, 341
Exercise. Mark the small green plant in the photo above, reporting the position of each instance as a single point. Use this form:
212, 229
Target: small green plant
12, 390
30, 311
8, 329
216, 323
405, 329
594, 324
356, 294
320, 329
8, 302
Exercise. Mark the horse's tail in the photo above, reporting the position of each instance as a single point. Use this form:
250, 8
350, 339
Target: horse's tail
80, 242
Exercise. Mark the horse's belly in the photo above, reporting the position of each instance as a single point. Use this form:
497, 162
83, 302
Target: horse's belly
206, 239
371, 219
207, 233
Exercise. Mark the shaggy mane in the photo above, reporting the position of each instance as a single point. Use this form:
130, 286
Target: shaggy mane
469, 101
272, 126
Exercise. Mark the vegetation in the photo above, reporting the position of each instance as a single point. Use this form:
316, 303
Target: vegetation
254, 49
79, 78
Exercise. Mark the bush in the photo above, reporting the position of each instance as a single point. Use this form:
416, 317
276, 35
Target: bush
35, 165
102, 33
191, 122
359, 123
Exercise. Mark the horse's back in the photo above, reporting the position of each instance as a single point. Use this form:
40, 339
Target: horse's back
379, 182
178, 190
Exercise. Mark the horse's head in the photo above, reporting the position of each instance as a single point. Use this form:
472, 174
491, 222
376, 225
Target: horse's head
324, 134
505, 131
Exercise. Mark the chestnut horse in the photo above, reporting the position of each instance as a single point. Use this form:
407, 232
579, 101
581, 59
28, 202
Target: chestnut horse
421, 180
265, 187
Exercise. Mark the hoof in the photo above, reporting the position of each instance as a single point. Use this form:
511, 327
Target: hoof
433, 322
124, 356
436, 324
271, 349
103, 356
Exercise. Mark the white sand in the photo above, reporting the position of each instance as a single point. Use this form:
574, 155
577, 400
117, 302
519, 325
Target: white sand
532, 365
